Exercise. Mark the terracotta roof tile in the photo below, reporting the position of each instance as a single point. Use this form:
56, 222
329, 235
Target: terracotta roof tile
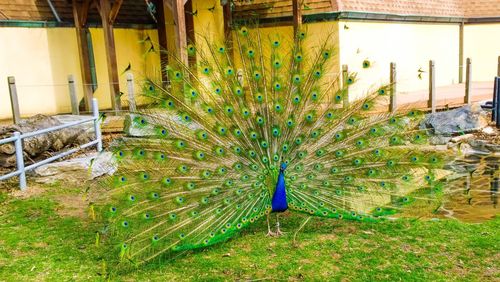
444, 8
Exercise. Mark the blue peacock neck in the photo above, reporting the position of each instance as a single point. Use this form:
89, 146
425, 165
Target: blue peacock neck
279, 203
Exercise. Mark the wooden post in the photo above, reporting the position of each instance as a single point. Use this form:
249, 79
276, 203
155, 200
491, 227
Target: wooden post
345, 77
72, 95
461, 54
161, 7
496, 102
130, 89
180, 30
393, 80
432, 87
468, 79
80, 13
190, 29
297, 16
498, 67
14, 102
106, 14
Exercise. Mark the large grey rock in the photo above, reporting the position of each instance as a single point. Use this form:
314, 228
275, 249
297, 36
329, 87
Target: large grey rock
77, 170
462, 120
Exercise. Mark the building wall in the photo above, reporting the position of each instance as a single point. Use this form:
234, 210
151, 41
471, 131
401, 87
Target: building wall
409, 45
482, 45
42, 58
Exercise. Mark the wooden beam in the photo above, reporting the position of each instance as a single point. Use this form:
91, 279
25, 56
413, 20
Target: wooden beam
190, 29
161, 6
84, 11
80, 13
297, 16
114, 11
109, 42
180, 30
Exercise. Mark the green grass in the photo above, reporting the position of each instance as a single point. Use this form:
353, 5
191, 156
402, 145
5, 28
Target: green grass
42, 238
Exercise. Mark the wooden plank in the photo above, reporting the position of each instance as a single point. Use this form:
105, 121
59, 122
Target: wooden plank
80, 17
14, 102
297, 16
468, 79
180, 31
109, 42
84, 12
161, 6
431, 103
113, 13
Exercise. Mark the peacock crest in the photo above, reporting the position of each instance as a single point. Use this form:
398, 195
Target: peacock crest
261, 125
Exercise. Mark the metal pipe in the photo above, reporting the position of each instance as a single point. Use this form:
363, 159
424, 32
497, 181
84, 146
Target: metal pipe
20, 160
56, 15
97, 124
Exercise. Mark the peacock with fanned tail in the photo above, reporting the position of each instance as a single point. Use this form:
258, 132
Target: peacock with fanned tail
234, 140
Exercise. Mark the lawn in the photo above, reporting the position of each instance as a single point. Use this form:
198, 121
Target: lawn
48, 236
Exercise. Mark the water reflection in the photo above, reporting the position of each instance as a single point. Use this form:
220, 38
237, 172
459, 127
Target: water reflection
474, 196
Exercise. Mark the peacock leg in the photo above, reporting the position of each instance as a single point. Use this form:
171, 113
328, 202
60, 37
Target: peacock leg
278, 231
269, 232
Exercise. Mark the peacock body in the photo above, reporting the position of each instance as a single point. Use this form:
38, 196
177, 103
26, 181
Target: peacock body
256, 128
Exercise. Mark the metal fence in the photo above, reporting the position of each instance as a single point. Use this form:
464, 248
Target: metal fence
18, 138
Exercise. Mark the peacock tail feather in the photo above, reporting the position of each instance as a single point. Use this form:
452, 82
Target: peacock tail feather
219, 131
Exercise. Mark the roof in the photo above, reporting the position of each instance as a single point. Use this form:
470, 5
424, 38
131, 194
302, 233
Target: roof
433, 8
131, 11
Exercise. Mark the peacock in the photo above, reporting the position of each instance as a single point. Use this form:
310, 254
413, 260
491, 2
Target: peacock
258, 126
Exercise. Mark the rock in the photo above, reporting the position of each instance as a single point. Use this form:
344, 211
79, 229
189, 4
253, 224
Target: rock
77, 170
461, 138
488, 130
458, 121
439, 139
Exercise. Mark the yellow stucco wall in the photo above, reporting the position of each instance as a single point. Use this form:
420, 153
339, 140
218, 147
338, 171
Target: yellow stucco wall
41, 59
482, 45
410, 45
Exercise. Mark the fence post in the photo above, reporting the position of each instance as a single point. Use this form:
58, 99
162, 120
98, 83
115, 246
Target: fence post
14, 102
393, 102
468, 78
345, 77
496, 102
20, 160
97, 124
130, 90
72, 95
432, 87
498, 67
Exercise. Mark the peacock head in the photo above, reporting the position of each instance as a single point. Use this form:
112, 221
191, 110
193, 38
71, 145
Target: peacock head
283, 167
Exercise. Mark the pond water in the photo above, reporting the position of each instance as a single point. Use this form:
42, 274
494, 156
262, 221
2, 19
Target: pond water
474, 197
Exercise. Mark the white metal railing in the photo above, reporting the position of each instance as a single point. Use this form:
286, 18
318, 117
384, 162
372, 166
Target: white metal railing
17, 138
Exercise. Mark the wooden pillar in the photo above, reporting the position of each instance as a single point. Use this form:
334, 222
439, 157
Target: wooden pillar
393, 80
468, 79
228, 20
72, 95
180, 30
80, 12
297, 16
432, 87
190, 29
161, 7
108, 15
